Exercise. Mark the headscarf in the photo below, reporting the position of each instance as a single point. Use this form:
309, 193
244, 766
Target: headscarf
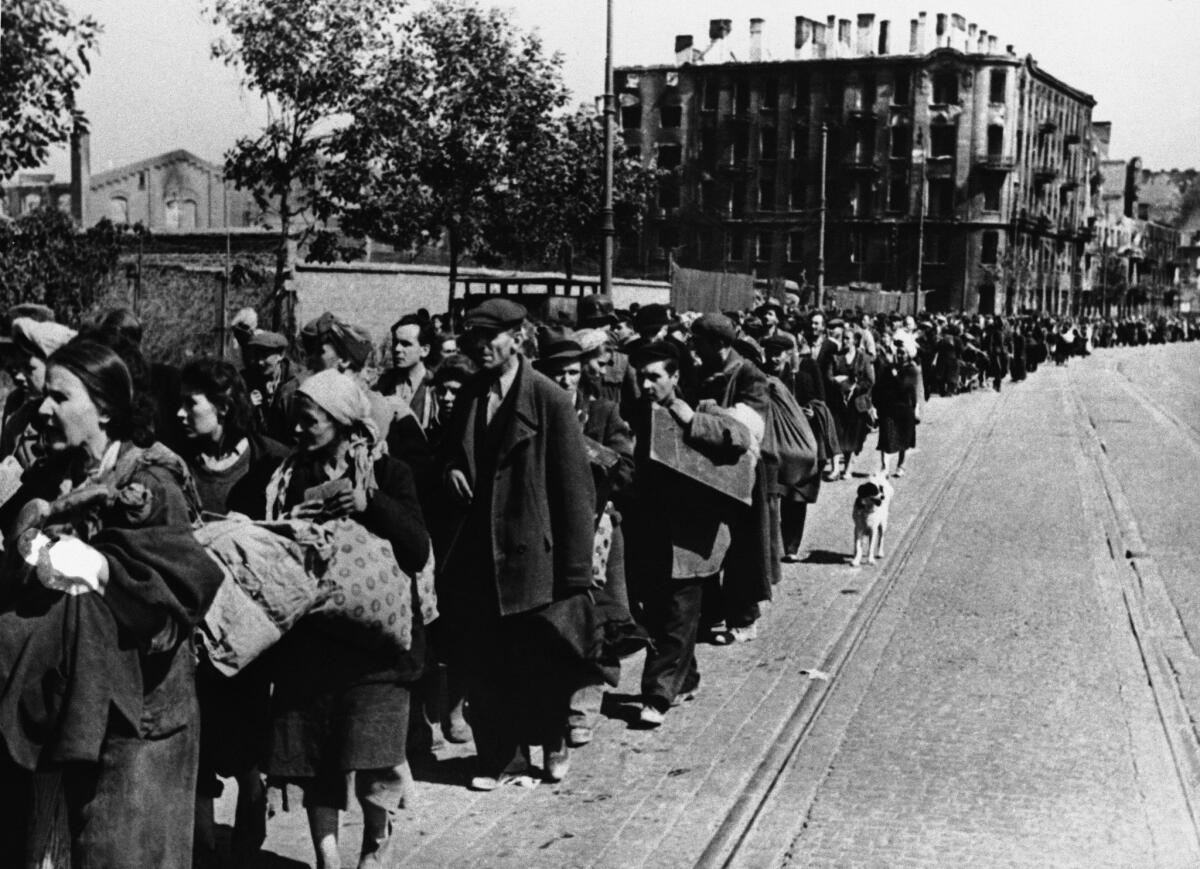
340, 396
40, 339
350, 341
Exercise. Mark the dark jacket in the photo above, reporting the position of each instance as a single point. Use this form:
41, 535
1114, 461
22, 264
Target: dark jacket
542, 494
602, 423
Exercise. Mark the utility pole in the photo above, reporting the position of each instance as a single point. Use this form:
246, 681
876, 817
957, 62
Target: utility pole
607, 228
918, 156
223, 311
821, 224
1014, 253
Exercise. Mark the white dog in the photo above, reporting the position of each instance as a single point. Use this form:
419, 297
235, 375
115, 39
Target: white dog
870, 518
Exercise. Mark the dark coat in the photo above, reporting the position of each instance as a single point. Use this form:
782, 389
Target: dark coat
750, 569
602, 423
542, 496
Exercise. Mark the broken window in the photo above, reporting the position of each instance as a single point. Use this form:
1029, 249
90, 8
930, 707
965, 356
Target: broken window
945, 88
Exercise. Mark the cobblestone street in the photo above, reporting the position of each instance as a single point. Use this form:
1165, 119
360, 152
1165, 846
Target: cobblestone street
1010, 686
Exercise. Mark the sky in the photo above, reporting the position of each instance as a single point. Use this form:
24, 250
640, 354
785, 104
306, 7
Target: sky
155, 88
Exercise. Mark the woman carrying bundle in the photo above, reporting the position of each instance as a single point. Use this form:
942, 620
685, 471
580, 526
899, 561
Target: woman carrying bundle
340, 706
97, 677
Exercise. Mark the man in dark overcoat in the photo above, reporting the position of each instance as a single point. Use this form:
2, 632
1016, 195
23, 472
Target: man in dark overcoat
522, 557
728, 379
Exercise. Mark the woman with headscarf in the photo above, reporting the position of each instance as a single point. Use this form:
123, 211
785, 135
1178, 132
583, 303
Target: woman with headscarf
339, 706
102, 590
34, 341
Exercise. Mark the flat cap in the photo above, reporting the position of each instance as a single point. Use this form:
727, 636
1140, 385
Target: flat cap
779, 342
715, 326
265, 339
654, 351
595, 310
498, 314
556, 346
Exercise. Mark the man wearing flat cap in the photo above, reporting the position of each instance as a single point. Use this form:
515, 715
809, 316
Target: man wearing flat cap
272, 384
729, 380
518, 467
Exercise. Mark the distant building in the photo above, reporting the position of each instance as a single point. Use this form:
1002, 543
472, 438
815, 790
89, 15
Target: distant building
172, 191
175, 191
947, 157
30, 190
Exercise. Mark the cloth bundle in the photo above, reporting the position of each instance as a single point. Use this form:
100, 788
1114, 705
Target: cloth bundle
270, 582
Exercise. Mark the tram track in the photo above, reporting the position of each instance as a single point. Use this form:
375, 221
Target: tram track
1150, 615
734, 844
1190, 433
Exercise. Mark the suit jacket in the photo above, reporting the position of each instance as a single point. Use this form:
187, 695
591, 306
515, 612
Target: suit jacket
542, 522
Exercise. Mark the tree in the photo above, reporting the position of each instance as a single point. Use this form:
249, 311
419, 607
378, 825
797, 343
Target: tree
445, 126
44, 258
305, 60
43, 58
560, 193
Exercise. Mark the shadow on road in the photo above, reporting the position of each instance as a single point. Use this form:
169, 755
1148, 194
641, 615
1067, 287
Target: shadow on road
449, 771
825, 556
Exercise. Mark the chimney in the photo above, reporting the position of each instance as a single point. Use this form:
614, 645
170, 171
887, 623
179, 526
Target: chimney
943, 39
866, 30
1011, 49
820, 39
756, 40
983, 41
993, 45
683, 49
845, 45
914, 36
831, 37
958, 32
972, 40
922, 30
81, 175
804, 38
1102, 131
884, 27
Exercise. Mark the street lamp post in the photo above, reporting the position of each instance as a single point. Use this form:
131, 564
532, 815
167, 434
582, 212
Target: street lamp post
821, 218
608, 229
918, 156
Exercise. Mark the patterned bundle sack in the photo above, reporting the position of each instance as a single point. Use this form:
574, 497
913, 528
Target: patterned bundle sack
369, 600
601, 547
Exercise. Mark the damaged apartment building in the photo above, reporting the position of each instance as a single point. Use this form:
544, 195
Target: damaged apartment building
947, 161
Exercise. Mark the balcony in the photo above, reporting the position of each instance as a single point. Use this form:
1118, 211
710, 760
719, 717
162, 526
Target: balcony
995, 162
860, 163
1045, 173
939, 167
1049, 125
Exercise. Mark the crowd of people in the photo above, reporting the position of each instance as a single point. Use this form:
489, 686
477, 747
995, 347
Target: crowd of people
554, 496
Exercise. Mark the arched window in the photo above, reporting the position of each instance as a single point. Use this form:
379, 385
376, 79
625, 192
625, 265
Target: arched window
171, 214
32, 201
187, 214
118, 209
